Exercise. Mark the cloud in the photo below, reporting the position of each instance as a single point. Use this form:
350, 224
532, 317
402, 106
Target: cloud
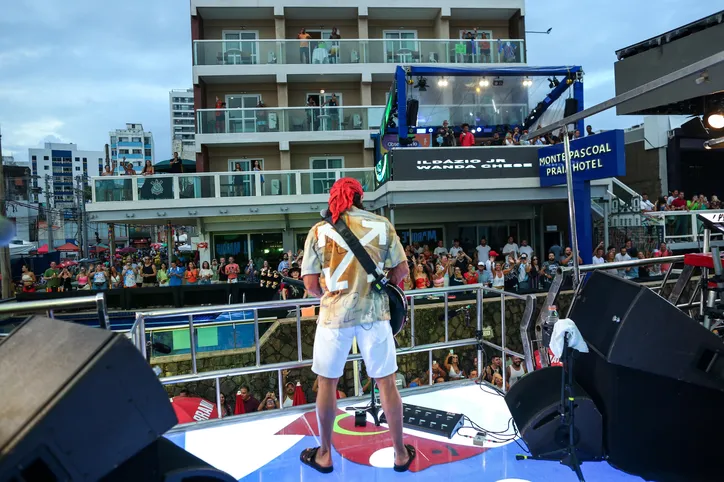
76, 70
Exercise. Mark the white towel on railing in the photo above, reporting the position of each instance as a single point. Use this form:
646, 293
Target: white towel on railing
575, 339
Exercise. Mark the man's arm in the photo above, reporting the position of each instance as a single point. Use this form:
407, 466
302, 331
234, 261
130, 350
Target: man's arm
399, 273
311, 283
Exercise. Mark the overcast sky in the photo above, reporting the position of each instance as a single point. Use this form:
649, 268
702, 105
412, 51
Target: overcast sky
73, 71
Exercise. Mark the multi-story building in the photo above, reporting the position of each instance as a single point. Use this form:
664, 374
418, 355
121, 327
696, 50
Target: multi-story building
183, 126
133, 144
57, 170
57, 167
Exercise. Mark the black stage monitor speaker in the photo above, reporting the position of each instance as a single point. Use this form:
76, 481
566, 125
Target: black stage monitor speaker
631, 326
571, 107
655, 427
534, 402
76, 402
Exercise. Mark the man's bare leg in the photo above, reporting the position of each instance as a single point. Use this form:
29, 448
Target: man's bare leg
326, 413
392, 406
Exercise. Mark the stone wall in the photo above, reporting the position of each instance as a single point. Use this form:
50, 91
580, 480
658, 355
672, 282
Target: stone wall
279, 344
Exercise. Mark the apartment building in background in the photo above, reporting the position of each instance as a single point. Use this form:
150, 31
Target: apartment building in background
57, 167
278, 118
183, 126
132, 143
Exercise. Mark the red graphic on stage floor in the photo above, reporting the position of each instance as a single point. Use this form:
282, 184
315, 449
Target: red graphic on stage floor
357, 444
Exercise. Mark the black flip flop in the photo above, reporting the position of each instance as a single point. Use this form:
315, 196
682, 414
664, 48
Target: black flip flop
404, 468
308, 457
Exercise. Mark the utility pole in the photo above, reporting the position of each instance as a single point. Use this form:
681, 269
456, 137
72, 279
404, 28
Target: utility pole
4, 250
83, 221
49, 214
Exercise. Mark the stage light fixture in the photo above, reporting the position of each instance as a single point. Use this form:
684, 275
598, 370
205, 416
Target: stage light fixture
421, 84
527, 82
552, 83
484, 82
442, 82
715, 120
498, 82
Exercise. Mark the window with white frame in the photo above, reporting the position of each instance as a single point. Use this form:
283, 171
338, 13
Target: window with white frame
322, 181
400, 46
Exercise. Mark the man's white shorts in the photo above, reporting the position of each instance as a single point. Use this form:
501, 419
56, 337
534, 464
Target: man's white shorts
374, 340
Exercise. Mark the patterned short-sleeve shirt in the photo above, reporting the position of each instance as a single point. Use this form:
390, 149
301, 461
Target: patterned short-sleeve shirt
349, 299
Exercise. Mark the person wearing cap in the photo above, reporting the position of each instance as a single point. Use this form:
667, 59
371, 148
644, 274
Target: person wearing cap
293, 291
523, 273
490, 263
485, 276
288, 395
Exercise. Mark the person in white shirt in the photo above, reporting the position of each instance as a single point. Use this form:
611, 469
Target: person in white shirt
511, 248
440, 251
646, 205
455, 249
525, 249
490, 263
483, 250
623, 256
672, 195
598, 254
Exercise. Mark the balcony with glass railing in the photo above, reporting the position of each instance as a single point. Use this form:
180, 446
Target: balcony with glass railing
359, 51
261, 185
288, 119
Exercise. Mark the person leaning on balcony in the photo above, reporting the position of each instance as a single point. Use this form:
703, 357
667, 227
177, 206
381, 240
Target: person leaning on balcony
304, 46
176, 165
148, 168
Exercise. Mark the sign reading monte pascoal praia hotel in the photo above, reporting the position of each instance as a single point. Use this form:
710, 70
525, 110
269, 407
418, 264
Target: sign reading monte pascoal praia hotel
594, 157
423, 164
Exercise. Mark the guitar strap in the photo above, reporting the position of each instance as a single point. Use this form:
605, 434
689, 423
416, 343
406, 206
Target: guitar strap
360, 253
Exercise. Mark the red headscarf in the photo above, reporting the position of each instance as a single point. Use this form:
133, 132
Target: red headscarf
341, 196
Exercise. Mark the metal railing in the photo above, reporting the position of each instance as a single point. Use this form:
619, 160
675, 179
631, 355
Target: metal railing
561, 277
138, 335
50, 306
357, 51
231, 184
252, 120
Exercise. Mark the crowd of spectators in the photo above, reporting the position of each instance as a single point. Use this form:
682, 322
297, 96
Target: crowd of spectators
513, 267
677, 201
446, 137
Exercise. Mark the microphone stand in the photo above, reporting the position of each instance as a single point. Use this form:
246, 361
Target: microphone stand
373, 409
566, 435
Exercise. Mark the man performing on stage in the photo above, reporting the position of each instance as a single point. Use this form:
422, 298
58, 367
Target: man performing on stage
350, 308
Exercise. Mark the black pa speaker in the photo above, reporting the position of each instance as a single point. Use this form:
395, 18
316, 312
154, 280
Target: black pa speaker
413, 106
534, 402
656, 427
77, 403
631, 326
571, 107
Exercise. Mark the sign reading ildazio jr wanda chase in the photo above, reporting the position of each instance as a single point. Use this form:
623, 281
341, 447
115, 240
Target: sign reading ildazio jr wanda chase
410, 164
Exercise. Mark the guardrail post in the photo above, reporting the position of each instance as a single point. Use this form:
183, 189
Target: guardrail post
299, 333
193, 344
218, 397
446, 317
412, 320
256, 337
479, 327
502, 333
103, 320
280, 378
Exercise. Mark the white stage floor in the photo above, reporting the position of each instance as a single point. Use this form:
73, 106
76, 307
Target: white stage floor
266, 447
